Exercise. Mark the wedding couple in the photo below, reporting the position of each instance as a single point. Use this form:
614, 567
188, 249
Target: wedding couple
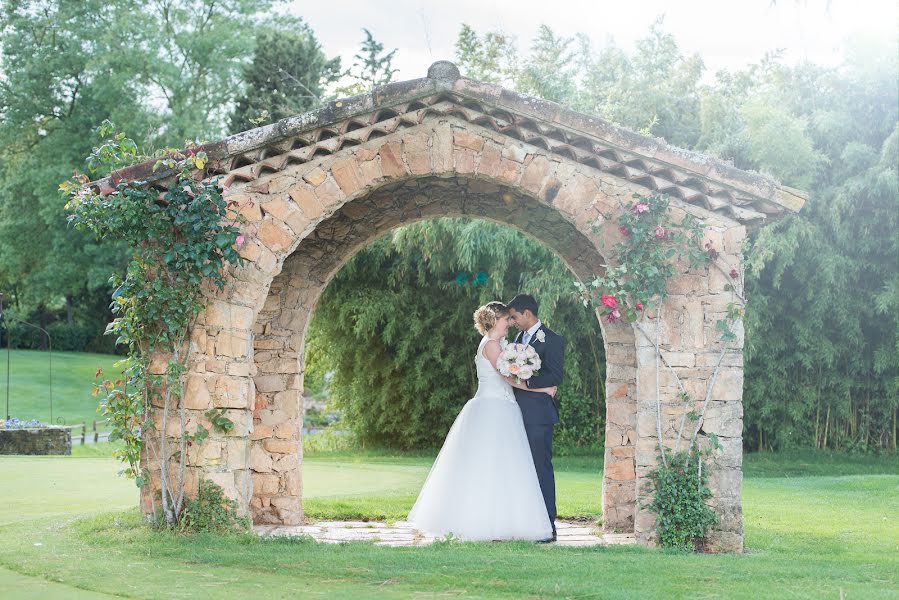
493, 478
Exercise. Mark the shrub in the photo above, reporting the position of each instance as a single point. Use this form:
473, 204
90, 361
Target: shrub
680, 490
212, 511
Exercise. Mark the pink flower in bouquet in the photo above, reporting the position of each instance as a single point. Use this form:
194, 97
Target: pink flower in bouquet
514, 368
640, 208
525, 372
609, 300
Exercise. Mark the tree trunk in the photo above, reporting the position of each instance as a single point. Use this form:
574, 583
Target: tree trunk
70, 307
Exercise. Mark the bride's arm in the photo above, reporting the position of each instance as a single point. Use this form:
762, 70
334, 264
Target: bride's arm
544, 390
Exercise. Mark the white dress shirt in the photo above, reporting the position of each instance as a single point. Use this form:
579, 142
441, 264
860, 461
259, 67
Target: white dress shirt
529, 334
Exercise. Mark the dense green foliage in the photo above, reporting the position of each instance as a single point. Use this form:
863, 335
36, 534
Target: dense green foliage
396, 325
166, 71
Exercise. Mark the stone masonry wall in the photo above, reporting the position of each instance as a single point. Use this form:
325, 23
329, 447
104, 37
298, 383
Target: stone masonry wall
45, 440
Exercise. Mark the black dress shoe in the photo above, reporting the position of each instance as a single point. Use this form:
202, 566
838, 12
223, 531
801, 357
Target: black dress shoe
548, 540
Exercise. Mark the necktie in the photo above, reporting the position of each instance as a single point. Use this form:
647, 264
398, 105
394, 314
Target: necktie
526, 338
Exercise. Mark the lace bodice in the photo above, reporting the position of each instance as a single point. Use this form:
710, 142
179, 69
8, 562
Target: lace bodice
490, 382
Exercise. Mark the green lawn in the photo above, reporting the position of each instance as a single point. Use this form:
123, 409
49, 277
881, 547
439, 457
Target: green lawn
827, 528
73, 377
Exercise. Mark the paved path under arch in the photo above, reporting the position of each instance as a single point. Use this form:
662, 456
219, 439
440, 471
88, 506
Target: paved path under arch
401, 533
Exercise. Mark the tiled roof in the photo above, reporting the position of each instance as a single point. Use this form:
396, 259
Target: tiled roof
746, 197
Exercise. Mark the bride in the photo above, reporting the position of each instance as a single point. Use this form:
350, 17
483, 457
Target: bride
483, 484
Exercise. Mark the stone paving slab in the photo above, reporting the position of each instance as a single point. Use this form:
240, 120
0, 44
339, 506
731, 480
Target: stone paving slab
402, 533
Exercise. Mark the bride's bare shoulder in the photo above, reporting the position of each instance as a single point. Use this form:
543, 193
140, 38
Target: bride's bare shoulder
491, 349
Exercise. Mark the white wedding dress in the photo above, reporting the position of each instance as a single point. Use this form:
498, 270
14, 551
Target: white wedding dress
483, 484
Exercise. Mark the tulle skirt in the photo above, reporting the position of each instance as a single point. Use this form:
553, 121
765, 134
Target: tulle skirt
483, 485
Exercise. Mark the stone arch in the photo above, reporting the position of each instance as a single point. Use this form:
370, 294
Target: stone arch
311, 189
281, 325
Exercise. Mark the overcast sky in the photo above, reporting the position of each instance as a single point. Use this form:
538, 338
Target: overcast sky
726, 33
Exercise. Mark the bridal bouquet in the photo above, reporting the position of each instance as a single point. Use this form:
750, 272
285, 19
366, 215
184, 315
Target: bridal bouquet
519, 361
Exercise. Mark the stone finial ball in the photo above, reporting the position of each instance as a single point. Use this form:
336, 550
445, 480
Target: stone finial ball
443, 70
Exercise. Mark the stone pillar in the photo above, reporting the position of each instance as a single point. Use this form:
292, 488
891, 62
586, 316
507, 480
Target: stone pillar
276, 449
618, 485
690, 345
217, 378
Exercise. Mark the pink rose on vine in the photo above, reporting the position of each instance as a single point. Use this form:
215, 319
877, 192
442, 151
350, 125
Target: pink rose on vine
639, 306
640, 208
613, 316
609, 300
240, 240
661, 233
623, 230
734, 274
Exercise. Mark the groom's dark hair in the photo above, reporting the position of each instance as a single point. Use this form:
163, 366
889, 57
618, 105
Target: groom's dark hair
523, 302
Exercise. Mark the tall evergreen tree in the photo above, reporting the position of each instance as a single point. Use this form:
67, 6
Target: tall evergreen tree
288, 75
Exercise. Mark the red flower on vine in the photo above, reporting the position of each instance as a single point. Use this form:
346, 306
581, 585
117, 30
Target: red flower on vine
240, 240
734, 274
639, 306
661, 233
623, 230
640, 208
609, 300
713, 254
613, 316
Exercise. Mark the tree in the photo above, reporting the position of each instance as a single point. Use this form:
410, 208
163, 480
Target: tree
488, 57
168, 69
288, 75
54, 89
371, 67
191, 57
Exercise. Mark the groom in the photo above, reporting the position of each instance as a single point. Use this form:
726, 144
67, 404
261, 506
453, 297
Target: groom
539, 410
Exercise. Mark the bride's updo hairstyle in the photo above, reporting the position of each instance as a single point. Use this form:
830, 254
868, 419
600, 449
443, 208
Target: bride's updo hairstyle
486, 316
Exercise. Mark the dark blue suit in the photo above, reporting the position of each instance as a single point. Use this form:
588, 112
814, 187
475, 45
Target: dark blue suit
540, 412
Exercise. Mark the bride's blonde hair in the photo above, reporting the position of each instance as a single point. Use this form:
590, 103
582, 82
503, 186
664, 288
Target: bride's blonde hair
485, 317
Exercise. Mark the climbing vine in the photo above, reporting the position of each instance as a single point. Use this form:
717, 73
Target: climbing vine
180, 239
651, 247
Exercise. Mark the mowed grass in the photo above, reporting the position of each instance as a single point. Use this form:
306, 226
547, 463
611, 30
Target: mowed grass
70, 522
72, 382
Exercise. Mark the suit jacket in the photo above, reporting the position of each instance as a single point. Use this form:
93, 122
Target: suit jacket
537, 407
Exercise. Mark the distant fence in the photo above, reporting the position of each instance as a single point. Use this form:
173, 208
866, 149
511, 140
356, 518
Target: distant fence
81, 436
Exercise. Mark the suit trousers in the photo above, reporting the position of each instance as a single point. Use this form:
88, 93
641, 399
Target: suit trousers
540, 438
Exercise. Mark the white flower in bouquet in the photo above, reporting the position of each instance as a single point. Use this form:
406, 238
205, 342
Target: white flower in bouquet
518, 361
